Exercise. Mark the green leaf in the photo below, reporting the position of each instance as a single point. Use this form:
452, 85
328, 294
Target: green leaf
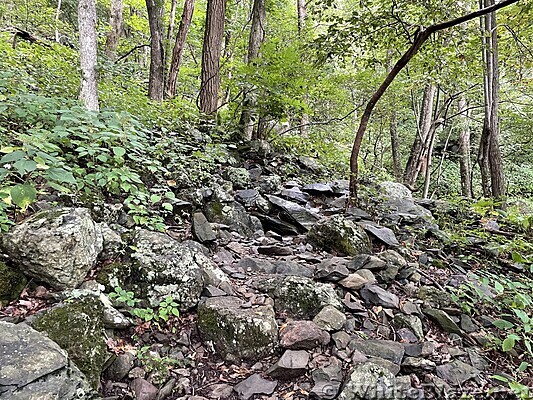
503, 324
499, 287
500, 378
167, 206
11, 157
522, 315
23, 166
119, 151
508, 343
155, 198
523, 366
60, 175
23, 195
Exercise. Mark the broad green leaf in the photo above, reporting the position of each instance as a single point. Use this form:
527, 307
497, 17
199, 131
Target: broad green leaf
12, 157
523, 366
23, 195
508, 344
60, 175
522, 315
24, 166
155, 198
503, 324
499, 287
119, 151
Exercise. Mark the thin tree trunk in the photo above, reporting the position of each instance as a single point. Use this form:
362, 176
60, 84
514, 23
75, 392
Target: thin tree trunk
420, 38
88, 53
177, 52
257, 36
156, 81
214, 32
56, 20
393, 130
170, 30
302, 17
465, 164
414, 164
489, 155
113, 36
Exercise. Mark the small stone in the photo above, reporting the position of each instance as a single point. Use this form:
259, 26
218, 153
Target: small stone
380, 297
443, 319
220, 391
467, 324
332, 270
424, 349
302, 335
353, 281
202, 229
386, 235
387, 349
327, 382
274, 250
119, 368
143, 389
254, 384
341, 339
456, 372
413, 364
330, 319
293, 363
412, 322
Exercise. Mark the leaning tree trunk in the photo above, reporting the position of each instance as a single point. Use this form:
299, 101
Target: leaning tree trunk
156, 82
113, 36
257, 35
465, 164
88, 53
214, 32
420, 37
302, 17
179, 45
416, 158
489, 156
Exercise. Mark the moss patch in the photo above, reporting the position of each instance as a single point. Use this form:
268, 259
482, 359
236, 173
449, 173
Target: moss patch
78, 328
11, 284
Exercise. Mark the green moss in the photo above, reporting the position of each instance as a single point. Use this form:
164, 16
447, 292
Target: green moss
113, 275
11, 284
78, 328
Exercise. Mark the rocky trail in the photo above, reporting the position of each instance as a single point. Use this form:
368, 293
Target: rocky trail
282, 294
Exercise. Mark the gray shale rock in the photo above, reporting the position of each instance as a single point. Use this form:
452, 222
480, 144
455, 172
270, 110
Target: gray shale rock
56, 246
254, 384
330, 319
32, 366
238, 333
386, 349
302, 335
375, 295
293, 363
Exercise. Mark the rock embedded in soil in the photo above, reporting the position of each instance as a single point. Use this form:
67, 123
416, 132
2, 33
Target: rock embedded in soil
375, 295
302, 335
293, 363
201, 228
386, 349
238, 333
254, 384
330, 319
340, 235
443, 319
57, 246
327, 382
457, 372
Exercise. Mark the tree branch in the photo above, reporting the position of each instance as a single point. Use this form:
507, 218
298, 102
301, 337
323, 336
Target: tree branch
420, 37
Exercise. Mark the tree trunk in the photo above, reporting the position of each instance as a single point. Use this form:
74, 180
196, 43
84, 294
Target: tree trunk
177, 52
56, 20
156, 81
416, 158
170, 30
88, 53
214, 32
489, 155
302, 17
420, 37
113, 36
465, 164
257, 36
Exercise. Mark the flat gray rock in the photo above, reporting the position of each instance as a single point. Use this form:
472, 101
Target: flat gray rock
386, 349
456, 372
374, 294
297, 214
293, 363
254, 384
302, 335
443, 319
201, 228
386, 235
330, 319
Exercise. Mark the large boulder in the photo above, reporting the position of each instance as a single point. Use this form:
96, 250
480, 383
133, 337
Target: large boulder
298, 296
161, 267
340, 235
32, 366
11, 284
78, 328
238, 333
56, 246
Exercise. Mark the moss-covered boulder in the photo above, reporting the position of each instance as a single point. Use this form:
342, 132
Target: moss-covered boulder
340, 235
56, 246
238, 333
298, 296
78, 328
11, 284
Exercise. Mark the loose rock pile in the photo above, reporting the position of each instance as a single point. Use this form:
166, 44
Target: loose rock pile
284, 294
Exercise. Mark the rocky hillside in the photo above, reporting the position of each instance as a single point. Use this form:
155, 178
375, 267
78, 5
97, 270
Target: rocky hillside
264, 288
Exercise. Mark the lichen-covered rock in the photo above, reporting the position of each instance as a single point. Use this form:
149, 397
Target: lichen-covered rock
240, 177
162, 267
11, 284
394, 190
78, 328
57, 246
32, 366
238, 333
340, 235
369, 381
299, 296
